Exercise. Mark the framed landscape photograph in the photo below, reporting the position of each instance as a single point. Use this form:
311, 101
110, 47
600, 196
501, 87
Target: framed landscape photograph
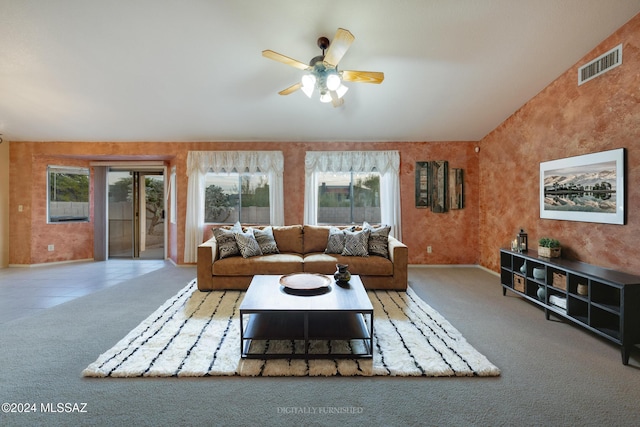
587, 188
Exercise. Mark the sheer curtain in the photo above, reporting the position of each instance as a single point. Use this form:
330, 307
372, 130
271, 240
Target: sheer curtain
387, 163
201, 162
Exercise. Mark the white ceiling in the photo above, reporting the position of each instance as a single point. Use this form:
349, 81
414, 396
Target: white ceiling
192, 70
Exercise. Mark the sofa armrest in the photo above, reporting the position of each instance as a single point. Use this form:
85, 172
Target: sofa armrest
399, 255
207, 255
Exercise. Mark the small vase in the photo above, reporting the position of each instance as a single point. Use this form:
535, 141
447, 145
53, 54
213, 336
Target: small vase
342, 275
541, 292
523, 269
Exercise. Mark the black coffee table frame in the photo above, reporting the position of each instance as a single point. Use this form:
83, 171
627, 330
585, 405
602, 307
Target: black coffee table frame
343, 313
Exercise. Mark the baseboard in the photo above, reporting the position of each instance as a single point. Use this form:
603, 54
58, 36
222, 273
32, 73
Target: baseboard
175, 264
46, 264
453, 266
495, 273
442, 265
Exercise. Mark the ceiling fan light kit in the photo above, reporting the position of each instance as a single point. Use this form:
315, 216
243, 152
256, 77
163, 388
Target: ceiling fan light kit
322, 72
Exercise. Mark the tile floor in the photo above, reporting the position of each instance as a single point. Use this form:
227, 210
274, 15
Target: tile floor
28, 290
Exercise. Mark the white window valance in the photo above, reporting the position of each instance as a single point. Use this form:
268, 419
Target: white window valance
199, 163
386, 163
352, 161
241, 161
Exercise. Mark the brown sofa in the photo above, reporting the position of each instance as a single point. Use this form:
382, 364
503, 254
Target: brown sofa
301, 250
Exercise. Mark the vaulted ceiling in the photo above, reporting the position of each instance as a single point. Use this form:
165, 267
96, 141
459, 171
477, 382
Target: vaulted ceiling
192, 70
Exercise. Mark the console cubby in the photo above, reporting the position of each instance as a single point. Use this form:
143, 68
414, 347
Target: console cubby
605, 322
578, 309
574, 281
589, 296
605, 296
557, 278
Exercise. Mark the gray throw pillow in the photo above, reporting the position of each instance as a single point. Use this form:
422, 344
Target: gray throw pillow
378, 239
356, 243
266, 241
335, 244
226, 240
248, 244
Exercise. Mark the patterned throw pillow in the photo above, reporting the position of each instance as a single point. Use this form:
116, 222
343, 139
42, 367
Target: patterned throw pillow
226, 240
335, 244
248, 244
356, 243
378, 239
266, 240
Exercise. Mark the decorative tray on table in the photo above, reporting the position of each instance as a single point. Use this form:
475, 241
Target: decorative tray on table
305, 282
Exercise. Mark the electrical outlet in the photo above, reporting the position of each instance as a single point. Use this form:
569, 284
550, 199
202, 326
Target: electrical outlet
428, 249
19, 208
50, 248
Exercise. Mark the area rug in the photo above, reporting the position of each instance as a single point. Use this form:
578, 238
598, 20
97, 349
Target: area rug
196, 334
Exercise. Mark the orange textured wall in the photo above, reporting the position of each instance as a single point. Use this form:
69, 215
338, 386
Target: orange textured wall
566, 120
20, 185
29, 232
452, 235
4, 203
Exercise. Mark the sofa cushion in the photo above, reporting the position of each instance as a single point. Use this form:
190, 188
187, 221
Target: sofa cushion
378, 239
266, 264
288, 238
356, 243
226, 240
266, 240
315, 238
368, 266
335, 242
248, 244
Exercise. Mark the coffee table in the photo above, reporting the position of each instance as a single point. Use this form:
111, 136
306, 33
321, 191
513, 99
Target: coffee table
341, 312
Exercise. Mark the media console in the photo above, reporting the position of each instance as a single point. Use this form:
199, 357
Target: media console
603, 301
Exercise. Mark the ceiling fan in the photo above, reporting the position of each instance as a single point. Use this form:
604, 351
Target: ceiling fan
322, 71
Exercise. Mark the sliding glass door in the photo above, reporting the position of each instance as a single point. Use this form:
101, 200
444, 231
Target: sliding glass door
136, 214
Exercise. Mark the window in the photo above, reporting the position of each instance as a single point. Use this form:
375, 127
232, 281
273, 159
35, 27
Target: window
348, 197
373, 180
231, 197
67, 194
202, 163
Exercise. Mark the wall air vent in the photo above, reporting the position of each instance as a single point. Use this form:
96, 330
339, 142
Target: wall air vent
600, 65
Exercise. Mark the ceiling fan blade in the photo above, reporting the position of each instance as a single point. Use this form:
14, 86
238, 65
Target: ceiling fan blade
338, 47
284, 59
290, 89
362, 76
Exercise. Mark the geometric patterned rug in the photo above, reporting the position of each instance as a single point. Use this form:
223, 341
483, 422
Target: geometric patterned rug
197, 334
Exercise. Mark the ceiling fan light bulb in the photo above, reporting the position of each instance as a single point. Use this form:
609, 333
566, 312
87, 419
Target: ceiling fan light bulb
308, 90
341, 90
325, 97
308, 80
333, 82
308, 84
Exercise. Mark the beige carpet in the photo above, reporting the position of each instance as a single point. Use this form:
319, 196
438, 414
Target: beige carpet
197, 334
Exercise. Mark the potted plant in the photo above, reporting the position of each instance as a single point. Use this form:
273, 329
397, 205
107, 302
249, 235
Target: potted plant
548, 247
